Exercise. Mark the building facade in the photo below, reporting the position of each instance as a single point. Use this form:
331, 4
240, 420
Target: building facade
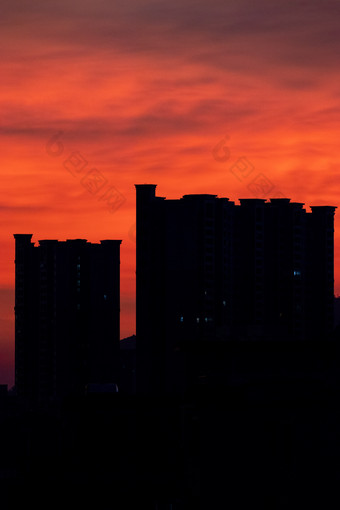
66, 316
210, 270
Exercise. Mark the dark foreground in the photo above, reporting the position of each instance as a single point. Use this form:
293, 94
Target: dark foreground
259, 427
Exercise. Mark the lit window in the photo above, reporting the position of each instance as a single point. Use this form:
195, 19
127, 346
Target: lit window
181, 319
197, 320
224, 303
297, 272
105, 297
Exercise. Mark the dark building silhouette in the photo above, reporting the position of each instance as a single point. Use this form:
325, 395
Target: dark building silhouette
210, 270
234, 307
336, 313
127, 377
66, 316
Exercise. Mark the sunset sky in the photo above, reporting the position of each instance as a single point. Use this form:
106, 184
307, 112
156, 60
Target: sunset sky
105, 94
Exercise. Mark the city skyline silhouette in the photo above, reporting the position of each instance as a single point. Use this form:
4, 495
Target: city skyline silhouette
131, 238
234, 100
235, 351
198, 366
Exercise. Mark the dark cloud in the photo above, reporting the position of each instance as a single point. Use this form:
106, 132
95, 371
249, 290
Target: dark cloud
233, 34
162, 118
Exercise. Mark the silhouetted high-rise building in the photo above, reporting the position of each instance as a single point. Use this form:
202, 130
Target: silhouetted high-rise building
66, 316
210, 270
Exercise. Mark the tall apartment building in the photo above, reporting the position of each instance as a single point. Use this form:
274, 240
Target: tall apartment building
209, 270
67, 299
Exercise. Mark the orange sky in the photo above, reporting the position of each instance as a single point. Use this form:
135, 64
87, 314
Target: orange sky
143, 91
